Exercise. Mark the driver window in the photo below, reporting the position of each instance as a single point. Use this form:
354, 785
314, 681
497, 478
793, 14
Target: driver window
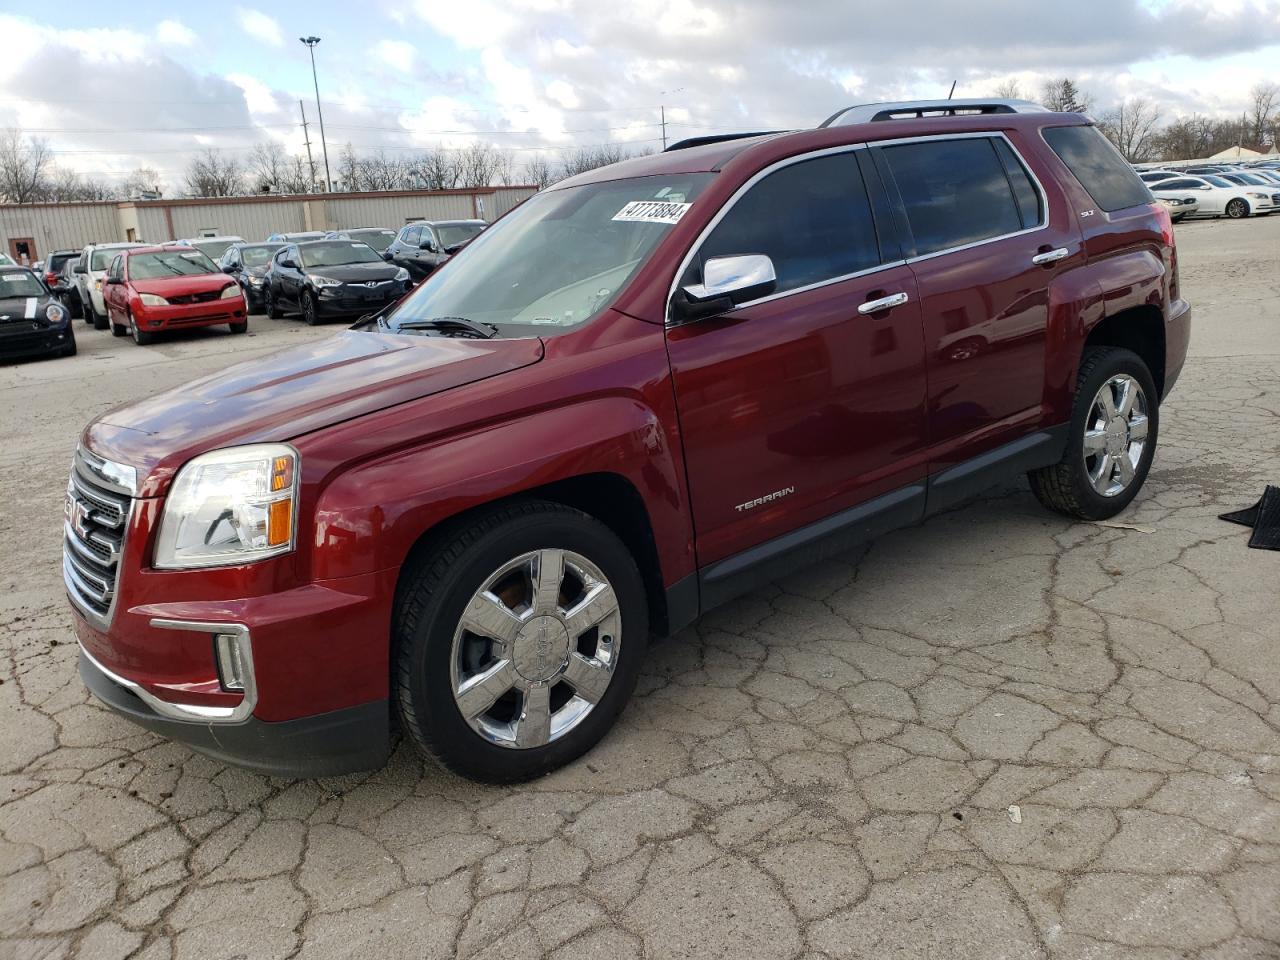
812, 219
117, 268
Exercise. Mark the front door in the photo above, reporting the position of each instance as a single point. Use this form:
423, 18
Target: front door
797, 406
985, 251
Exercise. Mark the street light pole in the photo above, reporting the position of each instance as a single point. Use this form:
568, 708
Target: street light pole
324, 146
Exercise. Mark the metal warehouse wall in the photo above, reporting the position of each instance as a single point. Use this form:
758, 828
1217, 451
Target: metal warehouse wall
55, 226
58, 226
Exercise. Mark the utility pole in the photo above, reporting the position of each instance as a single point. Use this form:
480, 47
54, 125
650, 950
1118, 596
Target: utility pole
306, 136
663, 108
324, 144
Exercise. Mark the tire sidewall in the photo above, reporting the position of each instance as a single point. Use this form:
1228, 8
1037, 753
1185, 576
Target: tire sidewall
429, 648
1237, 204
1116, 361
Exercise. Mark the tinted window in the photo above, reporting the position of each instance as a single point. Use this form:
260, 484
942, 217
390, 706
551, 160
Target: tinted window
1099, 167
1030, 205
811, 218
1183, 184
411, 235
954, 191
336, 253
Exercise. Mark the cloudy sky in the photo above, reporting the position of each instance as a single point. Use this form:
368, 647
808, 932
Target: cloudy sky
115, 86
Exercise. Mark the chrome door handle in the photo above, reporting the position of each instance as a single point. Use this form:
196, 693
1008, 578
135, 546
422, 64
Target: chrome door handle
1051, 257
884, 303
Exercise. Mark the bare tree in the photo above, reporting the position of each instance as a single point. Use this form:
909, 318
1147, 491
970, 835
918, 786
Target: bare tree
1009, 90
1132, 126
24, 165
212, 175
141, 182
589, 158
1063, 96
1264, 112
298, 177
268, 165
436, 169
483, 165
539, 172
62, 185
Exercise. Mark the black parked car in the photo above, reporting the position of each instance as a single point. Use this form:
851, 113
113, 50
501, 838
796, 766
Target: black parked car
331, 278
425, 244
248, 263
64, 286
377, 237
32, 321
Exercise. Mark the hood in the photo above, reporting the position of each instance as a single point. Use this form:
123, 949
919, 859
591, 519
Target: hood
297, 391
22, 308
356, 272
258, 271
181, 286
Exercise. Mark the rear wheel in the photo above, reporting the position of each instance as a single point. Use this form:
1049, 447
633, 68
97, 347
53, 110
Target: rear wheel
1237, 209
518, 641
1112, 438
309, 312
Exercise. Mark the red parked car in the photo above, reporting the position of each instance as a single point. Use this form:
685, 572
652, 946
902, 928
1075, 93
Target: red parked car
149, 290
644, 391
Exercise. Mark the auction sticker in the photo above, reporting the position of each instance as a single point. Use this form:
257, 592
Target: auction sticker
652, 211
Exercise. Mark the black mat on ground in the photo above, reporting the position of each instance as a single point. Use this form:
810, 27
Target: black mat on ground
1263, 517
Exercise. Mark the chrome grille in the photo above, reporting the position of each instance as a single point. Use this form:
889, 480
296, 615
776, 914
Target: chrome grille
96, 514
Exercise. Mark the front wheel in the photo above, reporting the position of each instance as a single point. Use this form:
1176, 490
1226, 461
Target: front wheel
140, 337
1237, 209
518, 640
309, 312
241, 327
1112, 438
99, 319
270, 307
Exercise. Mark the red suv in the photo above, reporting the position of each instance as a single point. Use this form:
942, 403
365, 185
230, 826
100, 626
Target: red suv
151, 289
645, 391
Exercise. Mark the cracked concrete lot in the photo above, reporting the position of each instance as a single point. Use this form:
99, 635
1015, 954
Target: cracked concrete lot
999, 735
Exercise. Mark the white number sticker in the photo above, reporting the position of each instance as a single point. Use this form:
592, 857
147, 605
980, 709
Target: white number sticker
652, 211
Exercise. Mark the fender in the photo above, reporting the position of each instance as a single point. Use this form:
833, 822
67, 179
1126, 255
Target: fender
370, 516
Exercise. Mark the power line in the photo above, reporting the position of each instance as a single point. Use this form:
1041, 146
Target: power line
358, 146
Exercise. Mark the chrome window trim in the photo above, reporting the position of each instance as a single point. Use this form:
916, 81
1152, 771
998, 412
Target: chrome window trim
193, 712
849, 148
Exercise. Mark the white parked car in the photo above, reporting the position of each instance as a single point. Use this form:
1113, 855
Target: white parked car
1219, 197
1155, 176
90, 272
1179, 207
211, 247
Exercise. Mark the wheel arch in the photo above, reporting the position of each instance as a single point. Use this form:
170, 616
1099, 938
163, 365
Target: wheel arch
1140, 329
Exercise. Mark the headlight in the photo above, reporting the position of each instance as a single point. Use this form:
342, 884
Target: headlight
229, 291
1258, 196
402, 274
326, 282
257, 281
54, 313
230, 507
152, 300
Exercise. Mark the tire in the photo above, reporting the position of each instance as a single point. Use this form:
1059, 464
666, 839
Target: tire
431, 648
269, 304
309, 313
99, 320
1073, 486
242, 327
1237, 209
119, 330
140, 337
70, 349
74, 306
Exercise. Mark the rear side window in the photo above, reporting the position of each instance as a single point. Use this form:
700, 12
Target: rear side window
811, 218
1107, 177
1030, 207
955, 192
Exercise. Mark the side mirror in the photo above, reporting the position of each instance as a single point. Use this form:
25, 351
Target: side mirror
230, 268
387, 255
428, 245
114, 281
739, 278
78, 268
290, 263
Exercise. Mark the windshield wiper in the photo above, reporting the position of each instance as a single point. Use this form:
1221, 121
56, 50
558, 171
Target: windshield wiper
460, 324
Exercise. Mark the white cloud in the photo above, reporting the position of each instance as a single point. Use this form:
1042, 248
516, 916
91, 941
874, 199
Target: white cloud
175, 33
397, 54
260, 26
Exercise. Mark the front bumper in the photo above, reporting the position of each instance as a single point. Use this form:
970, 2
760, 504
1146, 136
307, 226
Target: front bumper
349, 740
30, 338
184, 315
345, 302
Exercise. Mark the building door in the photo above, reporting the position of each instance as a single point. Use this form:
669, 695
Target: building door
23, 250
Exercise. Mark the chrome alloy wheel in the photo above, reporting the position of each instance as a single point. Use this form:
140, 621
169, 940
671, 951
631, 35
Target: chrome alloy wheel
1115, 435
536, 648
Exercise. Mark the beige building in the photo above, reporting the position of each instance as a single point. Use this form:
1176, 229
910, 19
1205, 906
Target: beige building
35, 229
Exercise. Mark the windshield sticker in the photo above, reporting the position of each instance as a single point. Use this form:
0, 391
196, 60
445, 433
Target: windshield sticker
652, 211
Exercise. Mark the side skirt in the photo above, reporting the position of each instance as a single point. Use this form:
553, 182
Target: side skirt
733, 576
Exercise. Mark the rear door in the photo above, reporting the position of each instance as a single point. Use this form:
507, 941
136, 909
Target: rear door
796, 405
984, 248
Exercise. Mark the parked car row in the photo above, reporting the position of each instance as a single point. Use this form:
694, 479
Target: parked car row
1217, 190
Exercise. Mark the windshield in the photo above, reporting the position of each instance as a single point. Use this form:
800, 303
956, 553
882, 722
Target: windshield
171, 263
455, 234
260, 255
558, 258
378, 239
335, 253
212, 249
19, 284
1217, 181
102, 257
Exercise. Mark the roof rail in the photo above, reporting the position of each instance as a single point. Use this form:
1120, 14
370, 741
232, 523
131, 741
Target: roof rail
718, 138
913, 109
